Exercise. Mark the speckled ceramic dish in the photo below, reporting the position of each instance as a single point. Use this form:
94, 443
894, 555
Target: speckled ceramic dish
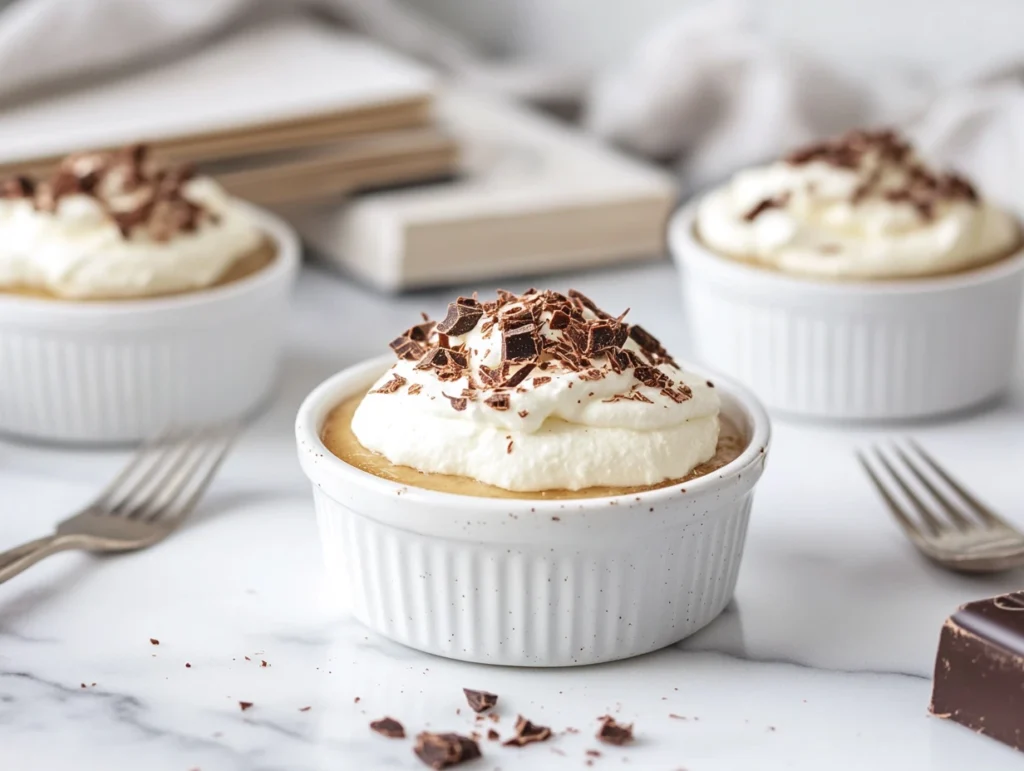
530, 582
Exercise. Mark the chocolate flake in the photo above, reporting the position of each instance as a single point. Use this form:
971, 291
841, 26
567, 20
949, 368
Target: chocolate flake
443, 750
154, 641
539, 381
523, 413
396, 382
508, 450
245, 705
463, 315
499, 401
388, 727
459, 403
527, 733
493, 735
775, 202
519, 376
415, 388
480, 701
615, 733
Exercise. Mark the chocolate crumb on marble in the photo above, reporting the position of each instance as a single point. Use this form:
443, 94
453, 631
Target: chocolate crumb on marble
388, 727
480, 701
445, 750
612, 732
527, 733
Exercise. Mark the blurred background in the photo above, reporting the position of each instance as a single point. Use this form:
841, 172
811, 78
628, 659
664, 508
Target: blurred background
440, 142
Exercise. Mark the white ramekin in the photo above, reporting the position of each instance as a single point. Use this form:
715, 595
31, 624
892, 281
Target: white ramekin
529, 583
120, 371
851, 349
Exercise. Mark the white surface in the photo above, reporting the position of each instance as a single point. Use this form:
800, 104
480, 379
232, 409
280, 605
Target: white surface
126, 369
520, 168
529, 582
290, 70
851, 349
830, 641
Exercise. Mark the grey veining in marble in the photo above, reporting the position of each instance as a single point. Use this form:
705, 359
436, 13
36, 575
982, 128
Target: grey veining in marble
822, 661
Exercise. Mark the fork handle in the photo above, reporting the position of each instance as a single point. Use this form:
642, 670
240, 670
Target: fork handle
15, 560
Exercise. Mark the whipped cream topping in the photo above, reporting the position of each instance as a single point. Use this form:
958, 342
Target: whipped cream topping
861, 206
538, 392
113, 225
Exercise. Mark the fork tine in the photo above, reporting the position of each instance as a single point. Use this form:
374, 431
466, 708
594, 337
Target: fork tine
144, 455
933, 523
197, 474
980, 509
154, 482
961, 522
901, 516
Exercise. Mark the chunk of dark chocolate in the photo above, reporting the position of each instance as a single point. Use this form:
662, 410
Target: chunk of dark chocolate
463, 315
612, 732
979, 669
389, 727
480, 701
528, 733
443, 750
520, 344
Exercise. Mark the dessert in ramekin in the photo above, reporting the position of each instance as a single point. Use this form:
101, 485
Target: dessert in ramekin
533, 482
135, 297
851, 281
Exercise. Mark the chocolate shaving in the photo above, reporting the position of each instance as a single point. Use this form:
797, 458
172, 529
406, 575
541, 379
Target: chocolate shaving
615, 733
19, 187
499, 401
396, 382
459, 403
539, 381
775, 202
388, 727
443, 750
493, 735
519, 376
585, 302
523, 413
463, 315
480, 701
415, 388
245, 705
632, 396
527, 733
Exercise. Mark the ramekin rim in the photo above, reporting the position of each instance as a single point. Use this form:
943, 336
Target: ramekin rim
326, 395
289, 252
680, 230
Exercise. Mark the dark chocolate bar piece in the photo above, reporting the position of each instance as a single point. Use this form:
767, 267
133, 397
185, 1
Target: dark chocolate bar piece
979, 670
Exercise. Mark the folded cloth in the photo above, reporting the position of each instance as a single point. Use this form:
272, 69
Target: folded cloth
712, 94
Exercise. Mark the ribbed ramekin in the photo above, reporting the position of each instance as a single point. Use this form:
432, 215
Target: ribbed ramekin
852, 349
529, 582
106, 372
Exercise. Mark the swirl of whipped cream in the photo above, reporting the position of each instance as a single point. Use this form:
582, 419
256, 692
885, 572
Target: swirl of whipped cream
103, 229
862, 206
538, 392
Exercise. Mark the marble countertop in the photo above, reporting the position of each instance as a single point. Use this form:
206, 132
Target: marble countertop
822, 661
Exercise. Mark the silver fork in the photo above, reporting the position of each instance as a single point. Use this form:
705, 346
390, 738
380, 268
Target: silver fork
955, 530
143, 505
